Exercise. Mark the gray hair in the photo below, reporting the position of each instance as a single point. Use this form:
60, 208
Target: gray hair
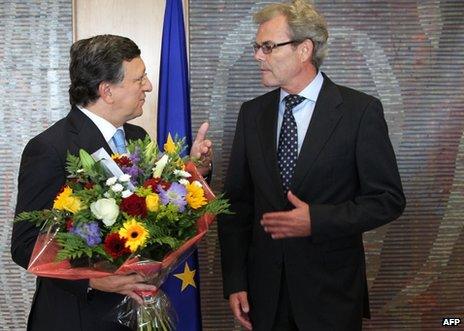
303, 21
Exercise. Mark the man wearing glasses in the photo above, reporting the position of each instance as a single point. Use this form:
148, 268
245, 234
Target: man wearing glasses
312, 168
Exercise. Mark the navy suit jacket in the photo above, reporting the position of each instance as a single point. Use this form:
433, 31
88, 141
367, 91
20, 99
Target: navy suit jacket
60, 304
347, 173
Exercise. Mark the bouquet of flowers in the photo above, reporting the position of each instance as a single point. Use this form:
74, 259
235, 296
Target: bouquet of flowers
141, 212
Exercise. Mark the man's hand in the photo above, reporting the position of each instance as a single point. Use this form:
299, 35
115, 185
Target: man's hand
240, 308
285, 224
126, 285
202, 149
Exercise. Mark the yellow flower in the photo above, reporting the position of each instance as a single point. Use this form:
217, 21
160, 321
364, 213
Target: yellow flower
66, 201
135, 234
152, 201
115, 156
170, 146
195, 195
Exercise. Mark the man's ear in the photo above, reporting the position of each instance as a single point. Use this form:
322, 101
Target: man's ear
104, 89
306, 50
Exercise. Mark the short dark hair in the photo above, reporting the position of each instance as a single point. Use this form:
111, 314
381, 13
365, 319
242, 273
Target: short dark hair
95, 60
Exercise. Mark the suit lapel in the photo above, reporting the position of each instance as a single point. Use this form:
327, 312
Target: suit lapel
134, 132
267, 133
324, 120
87, 134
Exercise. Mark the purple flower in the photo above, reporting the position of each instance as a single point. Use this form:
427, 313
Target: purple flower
175, 195
135, 157
131, 168
90, 232
133, 171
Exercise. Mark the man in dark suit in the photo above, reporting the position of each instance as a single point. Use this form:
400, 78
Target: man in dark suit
311, 169
108, 87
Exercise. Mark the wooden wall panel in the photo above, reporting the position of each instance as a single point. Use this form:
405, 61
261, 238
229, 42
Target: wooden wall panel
140, 20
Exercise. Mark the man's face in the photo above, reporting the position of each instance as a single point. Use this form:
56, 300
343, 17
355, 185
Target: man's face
129, 95
281, 67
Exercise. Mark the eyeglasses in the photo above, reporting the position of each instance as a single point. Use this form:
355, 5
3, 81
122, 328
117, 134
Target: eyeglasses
268, 46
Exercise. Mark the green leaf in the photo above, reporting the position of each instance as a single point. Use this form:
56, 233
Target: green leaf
73, 164
86, 160
218, 206
40, 217
72, 246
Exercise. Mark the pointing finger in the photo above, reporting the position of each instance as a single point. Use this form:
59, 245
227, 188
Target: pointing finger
201, 134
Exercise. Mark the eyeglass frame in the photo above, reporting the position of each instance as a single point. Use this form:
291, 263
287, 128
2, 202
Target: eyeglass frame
270, 45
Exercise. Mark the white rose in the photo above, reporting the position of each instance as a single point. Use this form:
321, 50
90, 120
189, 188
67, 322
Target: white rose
124, 178
106, 210
117, 188
183, 181
126, 194
182, 173
111, 181
160, 164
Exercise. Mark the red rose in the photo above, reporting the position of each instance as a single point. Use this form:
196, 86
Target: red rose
165, 185
134, 205
123, 161
154, 182
69, 223
88, 185
115, 246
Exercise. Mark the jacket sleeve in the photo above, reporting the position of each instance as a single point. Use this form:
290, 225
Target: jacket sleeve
380, 197
41, 176
235, 230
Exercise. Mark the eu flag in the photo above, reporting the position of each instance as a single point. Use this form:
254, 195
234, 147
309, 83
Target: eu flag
182, 285
173, 95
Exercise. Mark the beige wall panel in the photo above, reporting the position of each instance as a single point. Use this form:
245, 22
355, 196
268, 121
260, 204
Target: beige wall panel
140, 20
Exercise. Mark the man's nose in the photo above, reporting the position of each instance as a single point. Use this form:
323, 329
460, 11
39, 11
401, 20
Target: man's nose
148, 86
259, 55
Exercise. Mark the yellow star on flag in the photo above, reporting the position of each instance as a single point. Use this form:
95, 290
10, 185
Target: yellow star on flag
187, 277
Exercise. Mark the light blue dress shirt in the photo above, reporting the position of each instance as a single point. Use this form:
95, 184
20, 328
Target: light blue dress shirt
304, 111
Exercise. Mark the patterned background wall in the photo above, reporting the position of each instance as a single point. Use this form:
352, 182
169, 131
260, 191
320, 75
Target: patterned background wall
407, 53
34, 44
410, 54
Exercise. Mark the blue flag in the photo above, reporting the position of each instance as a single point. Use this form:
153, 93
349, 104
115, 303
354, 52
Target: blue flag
182, 285
174, 95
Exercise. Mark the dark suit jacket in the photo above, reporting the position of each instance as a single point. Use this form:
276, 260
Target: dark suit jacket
347, 173
60, 304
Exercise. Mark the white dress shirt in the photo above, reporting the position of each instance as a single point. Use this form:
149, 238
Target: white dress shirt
302, 112
106, 128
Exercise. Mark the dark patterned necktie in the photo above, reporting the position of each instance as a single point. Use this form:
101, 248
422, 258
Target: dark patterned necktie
287, 152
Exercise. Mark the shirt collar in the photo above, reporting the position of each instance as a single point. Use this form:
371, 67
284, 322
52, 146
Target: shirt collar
311, 91
106, 128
